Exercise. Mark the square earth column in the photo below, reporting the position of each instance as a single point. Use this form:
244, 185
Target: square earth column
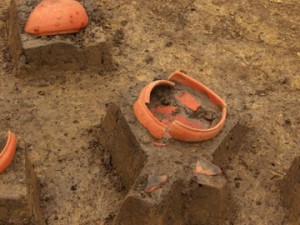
186, 198
290, 192
19, 193
87, 49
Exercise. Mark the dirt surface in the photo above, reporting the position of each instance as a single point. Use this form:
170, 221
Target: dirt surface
248, 52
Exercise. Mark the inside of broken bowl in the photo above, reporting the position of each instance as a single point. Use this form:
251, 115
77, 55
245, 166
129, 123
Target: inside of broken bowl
180, 103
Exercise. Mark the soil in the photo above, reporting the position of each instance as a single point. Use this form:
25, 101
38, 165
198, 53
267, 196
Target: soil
247, 52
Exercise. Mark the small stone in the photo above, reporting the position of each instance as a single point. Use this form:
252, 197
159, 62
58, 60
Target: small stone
42, 93
283, 80
169, 44
208, 117
258, 203
22, 59
288, 122
261, 93
276, 1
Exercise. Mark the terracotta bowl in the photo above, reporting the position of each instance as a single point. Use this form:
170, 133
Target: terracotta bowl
177, 129
52, 17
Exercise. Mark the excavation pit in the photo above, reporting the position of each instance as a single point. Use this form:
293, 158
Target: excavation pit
184, 197
87, 49
19, 193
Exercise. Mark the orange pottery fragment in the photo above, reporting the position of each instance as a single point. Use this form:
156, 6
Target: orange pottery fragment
159, 144
52, 17
193, 123
8, 152
144, 115
186, 133
204, 167
180, 128
166, 110
188, 100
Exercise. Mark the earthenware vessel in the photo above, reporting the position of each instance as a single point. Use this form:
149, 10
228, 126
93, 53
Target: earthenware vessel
51, 17
177, 129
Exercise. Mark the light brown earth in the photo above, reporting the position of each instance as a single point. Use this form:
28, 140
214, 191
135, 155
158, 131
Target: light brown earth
247, 51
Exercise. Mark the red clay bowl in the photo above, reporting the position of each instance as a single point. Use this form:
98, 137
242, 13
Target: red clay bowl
52, 17
177, 129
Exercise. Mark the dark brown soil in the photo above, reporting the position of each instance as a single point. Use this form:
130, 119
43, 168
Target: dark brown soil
248, 52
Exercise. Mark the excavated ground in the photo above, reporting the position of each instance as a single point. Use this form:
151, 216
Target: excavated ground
248, 52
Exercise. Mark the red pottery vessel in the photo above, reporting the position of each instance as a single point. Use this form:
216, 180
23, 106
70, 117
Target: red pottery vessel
51, 17
177, 129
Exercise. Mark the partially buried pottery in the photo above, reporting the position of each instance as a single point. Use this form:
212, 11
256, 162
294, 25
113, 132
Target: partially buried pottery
8, 152
51, 17
181, 108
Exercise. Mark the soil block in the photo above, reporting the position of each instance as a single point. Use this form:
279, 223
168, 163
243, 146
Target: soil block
19, 193
186, 197
87, 49
291, 192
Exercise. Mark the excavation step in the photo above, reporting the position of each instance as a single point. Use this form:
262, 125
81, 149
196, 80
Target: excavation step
291, 192
19, 193
162, 186
87, 49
